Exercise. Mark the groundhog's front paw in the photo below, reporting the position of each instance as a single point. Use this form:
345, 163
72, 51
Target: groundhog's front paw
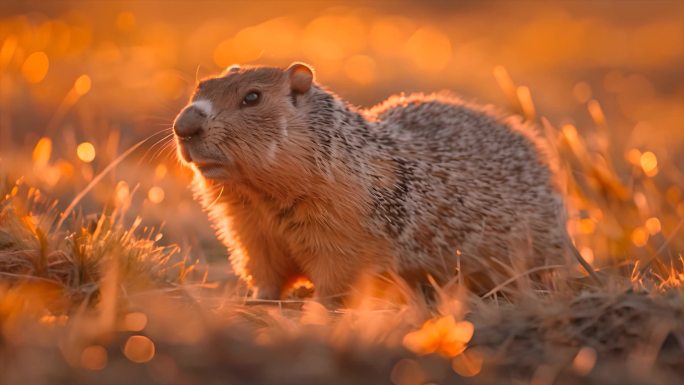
266, 293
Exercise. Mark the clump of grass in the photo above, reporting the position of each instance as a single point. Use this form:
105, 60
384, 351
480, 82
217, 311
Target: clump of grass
34, 249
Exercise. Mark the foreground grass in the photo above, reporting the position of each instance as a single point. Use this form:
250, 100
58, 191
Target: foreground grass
100, 302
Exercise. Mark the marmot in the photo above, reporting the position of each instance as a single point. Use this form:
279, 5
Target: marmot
300, 183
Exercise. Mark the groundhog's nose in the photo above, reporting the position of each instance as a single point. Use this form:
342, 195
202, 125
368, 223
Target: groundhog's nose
189, 122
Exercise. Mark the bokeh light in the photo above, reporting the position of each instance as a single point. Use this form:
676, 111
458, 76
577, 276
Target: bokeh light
653, 225
649, 163
430, 49
584, 361
86, 152
36, 66
582, 92
135, 321
155, 194
139, 349
122, 193
42, 152
82, 85
640, 237
468, 364
94, 357
443, 335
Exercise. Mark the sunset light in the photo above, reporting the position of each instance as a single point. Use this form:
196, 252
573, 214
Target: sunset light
333, 192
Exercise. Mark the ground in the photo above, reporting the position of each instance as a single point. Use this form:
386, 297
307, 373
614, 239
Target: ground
110, 272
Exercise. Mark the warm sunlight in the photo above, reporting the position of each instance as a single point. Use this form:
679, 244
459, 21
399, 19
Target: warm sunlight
332, 192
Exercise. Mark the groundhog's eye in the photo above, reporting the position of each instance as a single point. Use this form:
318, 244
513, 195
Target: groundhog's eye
251, 99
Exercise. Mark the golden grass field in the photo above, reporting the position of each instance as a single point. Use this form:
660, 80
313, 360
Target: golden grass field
111, 274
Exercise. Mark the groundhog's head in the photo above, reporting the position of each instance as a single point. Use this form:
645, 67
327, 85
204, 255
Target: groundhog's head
243, 120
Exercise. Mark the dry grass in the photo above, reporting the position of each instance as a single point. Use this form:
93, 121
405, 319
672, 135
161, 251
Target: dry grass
131, 286
75, 303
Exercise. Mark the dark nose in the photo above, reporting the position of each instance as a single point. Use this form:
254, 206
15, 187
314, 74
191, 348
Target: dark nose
189, 122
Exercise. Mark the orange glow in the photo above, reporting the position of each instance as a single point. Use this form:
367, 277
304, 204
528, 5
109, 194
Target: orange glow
640, 237
582, 92
613, 81
86, 152
587, 226
156, 195
588, 255
584, 361
94, 358
525, 99
241, 49
468, 364
90, 177
276, 38
388, 35
329, 38
649, 163
633, 156
125, 21
9, 46
653, 225
35, 67
139, 349
570, 133
160, 171
596, 112
429, 49
407, 372
42, 152
122, 193
443, 335
135, 322
82, 85
223, 54
314, 313
503, 79
170, 85
360, 69
673, 195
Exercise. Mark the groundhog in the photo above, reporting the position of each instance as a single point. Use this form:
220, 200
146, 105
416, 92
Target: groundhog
299, 182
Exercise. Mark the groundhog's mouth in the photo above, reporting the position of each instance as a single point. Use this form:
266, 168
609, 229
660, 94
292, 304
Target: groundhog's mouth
211, 170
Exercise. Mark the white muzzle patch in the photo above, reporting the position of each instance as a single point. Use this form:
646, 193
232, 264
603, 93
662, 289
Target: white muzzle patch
204, 105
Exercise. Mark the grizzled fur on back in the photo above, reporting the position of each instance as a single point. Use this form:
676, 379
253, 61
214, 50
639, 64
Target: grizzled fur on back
421, 185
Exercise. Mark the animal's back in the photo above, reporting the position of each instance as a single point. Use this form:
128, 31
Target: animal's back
480, 188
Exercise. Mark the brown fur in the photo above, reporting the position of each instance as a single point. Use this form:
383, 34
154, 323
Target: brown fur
309, 186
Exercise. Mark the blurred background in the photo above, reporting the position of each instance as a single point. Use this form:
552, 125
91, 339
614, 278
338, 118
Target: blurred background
81, 82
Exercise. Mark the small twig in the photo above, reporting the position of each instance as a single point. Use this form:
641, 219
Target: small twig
585, 265
30, 277
518, 276
647, 264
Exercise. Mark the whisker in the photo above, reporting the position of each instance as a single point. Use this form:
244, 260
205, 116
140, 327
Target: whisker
167, 150
161, 149
151, 148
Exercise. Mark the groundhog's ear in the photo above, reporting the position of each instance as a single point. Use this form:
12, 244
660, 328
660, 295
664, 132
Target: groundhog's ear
301, 77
